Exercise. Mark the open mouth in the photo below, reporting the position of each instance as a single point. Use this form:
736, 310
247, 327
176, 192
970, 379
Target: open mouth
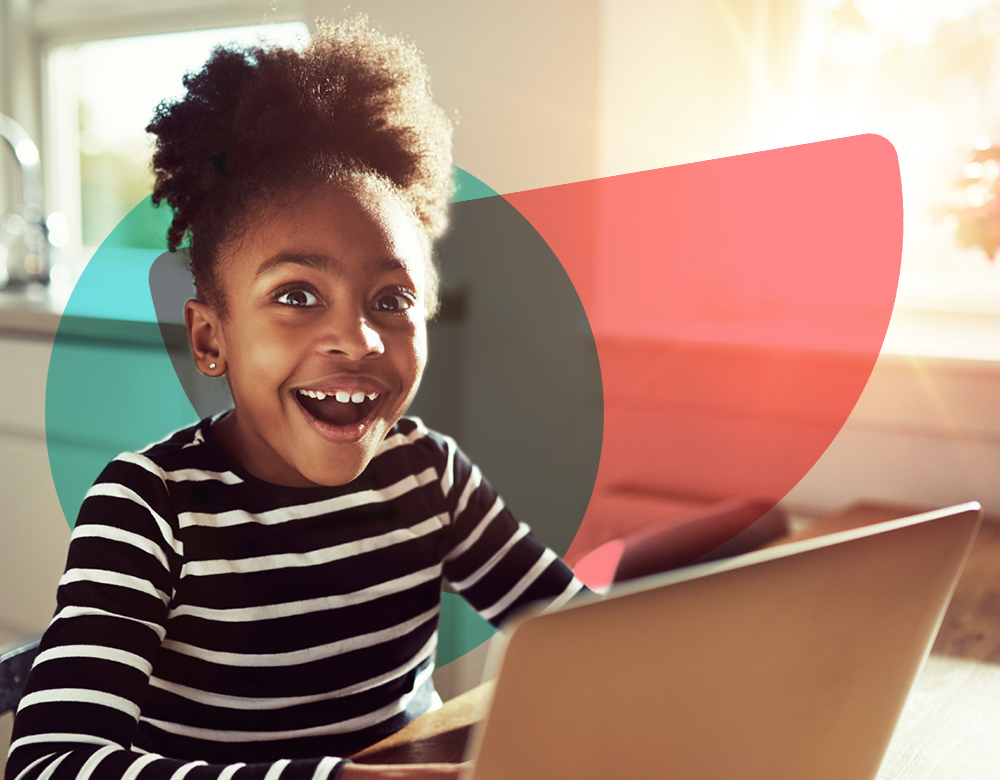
338, 408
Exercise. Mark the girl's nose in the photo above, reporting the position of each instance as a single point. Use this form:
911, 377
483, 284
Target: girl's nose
352, 335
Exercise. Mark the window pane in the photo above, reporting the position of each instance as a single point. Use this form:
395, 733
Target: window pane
926, 75
113, 87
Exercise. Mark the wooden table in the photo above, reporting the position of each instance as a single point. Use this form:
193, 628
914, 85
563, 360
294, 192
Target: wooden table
949, 729
439, 736
950, 726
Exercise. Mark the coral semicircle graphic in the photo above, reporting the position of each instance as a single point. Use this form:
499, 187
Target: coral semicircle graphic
738, 306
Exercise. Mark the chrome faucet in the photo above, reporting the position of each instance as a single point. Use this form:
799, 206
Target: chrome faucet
24, 235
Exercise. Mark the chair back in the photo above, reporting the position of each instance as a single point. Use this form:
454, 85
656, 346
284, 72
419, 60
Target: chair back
16, 659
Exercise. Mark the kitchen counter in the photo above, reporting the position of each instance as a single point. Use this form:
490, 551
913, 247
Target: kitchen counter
112, 302
30, 312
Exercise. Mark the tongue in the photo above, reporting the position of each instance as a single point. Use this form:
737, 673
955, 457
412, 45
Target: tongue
335, 413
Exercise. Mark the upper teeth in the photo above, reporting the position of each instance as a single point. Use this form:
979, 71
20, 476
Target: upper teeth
341, 395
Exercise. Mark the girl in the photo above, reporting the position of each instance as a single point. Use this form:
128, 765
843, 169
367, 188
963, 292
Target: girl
258, 594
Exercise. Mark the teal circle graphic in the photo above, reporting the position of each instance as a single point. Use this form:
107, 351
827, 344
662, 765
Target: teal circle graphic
114, 381
111, 386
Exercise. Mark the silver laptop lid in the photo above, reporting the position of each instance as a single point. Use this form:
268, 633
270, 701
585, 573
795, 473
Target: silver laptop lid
791, 662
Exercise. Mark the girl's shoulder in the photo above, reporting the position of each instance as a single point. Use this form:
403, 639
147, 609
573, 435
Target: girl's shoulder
413, 449
183, 455
412, 437
134, 497
188, 448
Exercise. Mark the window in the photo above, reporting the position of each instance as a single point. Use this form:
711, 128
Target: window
926, 75
101, 96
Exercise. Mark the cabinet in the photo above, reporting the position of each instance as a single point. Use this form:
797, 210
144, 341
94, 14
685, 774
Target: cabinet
33, 532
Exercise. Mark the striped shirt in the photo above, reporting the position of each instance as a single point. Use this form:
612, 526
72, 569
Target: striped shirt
211, 625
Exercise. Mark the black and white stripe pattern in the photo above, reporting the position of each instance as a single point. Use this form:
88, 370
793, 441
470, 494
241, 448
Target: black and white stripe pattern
212, 626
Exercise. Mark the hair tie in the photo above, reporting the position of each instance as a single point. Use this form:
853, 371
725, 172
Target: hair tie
219, 161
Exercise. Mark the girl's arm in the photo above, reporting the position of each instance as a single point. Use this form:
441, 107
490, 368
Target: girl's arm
495, 562
80, 712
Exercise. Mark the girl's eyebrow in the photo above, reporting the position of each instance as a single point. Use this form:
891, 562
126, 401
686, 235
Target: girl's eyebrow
329, 265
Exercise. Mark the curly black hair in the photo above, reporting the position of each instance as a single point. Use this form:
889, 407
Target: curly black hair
354, 104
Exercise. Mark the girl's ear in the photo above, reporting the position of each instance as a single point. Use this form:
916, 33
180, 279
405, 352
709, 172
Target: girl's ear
205, 334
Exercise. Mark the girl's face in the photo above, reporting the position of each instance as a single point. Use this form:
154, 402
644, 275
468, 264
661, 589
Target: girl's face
324, 339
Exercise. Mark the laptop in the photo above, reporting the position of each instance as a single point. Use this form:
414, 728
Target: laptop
782, 664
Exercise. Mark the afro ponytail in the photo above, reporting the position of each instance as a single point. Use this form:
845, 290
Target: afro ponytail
255, 121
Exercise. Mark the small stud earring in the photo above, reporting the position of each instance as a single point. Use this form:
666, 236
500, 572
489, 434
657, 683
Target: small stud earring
211, 365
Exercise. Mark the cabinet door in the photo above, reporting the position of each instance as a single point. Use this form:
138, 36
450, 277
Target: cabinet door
33, 537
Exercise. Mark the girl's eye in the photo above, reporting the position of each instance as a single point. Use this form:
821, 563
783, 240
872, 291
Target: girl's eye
297, 298
394, 302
